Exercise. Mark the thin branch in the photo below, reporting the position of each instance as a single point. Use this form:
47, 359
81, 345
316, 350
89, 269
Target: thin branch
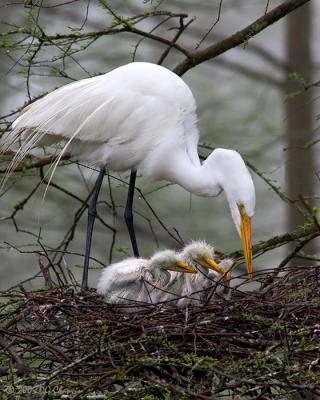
182, 28
307, 232
211, 27
299, 246
240, 37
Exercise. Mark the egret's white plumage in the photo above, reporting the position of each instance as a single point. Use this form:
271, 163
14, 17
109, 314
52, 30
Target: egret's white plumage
125, 118
142, 117
141, 280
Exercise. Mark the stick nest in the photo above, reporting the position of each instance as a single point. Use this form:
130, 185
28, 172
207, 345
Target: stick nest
61, 343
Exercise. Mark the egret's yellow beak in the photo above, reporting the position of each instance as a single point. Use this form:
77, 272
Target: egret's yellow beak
216, 267
245, 233
181, 266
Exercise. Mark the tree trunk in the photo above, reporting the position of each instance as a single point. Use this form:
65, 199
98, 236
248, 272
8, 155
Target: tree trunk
299, 115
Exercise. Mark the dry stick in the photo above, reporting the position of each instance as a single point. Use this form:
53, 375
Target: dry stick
50, 264
180, 390
36, 275
177, 239
310, 230
197, 57
68, 237
262, 52
97, 382
36, 162
309, 210
47, 346
125, 26
79, 361
84, 202
20, 205
211, 27
41, 37
46, 275
182, 28
136, 47
6, 347
310, 85
300, 245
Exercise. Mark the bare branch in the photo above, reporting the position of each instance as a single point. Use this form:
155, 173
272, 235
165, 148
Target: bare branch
199, 56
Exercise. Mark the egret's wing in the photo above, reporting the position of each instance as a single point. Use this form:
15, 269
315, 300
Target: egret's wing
95, 109
124, 115
89, 110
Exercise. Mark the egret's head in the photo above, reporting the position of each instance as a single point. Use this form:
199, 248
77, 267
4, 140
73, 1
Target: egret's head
202, 253
235, 180
168, 260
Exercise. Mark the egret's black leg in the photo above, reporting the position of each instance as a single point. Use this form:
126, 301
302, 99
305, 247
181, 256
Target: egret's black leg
128, 216
92, 212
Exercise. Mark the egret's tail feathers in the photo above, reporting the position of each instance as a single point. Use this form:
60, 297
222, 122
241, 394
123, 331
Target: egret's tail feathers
28, 134
26, 139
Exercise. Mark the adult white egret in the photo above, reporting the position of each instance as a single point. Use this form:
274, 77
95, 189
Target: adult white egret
139, 279
142, 117
201, 256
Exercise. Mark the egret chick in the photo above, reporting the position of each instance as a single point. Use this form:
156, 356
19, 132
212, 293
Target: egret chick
139, 279
201, 256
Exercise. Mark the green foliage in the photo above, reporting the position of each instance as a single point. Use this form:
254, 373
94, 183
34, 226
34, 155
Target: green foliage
296, 77
117, 19
7, 43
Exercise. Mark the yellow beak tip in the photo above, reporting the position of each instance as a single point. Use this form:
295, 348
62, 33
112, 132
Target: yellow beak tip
245, 233
185, 268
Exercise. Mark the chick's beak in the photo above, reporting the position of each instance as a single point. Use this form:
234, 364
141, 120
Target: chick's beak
245, 233
185, 268
216, 267
228, 277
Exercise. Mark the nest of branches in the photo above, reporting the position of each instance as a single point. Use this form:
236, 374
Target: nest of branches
61, 343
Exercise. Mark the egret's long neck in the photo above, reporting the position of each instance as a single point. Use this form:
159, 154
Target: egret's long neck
199, 180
